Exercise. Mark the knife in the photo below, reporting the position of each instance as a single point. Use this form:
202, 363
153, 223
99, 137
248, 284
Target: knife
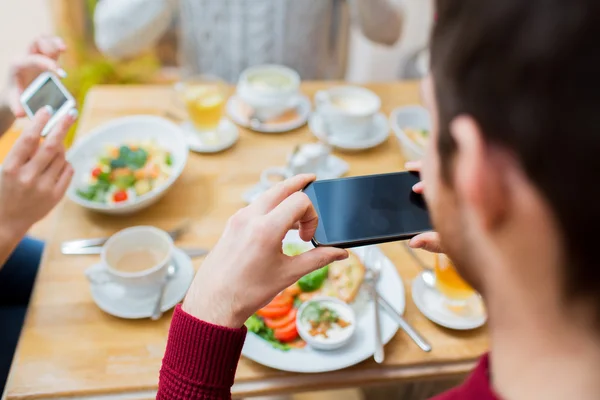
190, 251
405, 326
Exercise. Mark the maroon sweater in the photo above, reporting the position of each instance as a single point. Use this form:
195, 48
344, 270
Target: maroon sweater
201, 359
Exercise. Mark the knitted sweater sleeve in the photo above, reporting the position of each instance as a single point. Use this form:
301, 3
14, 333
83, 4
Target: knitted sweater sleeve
200, 360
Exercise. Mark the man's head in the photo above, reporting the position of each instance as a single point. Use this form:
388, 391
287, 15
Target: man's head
512, 171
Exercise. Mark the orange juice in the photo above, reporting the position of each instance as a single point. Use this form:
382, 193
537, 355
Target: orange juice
204, 103
449, 282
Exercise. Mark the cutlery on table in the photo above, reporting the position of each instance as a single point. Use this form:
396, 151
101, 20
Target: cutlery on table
157, 313
189, 251
371, 281
416, 337
405, 326
84, 243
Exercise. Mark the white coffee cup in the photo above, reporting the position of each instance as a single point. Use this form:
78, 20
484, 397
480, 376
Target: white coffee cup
310, 159
269, 89
150, 247
347, 112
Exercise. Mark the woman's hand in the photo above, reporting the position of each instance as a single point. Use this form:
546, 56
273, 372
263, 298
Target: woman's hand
42, 56
429, 241
247, 267
34, 176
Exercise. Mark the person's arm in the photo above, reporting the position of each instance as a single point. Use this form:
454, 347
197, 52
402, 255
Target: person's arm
380, 20
33, 179
126, 28
200, 360
246, 270
9, 239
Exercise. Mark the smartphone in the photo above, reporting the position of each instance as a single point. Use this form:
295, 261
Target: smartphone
47, 90
365, 210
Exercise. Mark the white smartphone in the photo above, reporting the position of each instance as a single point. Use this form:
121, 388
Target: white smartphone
47, 90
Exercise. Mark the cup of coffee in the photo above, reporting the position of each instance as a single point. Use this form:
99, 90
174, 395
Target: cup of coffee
269, 90
347, 112
309, 159
136, 258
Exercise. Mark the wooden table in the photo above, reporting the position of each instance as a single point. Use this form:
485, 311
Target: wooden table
70, 348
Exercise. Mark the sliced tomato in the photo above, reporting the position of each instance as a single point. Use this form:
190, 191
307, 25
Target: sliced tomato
286, 333
275, 323
274, 312
96, 172
281, 300
120, 195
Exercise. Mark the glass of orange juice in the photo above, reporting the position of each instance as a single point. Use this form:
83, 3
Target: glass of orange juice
204, 97
449, 284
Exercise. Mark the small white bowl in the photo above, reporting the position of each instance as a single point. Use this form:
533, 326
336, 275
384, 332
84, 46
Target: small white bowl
331, 343
415, 117
84, 154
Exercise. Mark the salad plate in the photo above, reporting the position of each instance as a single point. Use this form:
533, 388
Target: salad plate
263, 347
127, 164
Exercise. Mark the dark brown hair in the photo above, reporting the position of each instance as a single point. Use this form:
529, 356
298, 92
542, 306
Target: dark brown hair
528, 71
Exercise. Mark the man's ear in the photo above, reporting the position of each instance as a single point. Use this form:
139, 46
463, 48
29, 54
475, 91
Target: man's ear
478, 174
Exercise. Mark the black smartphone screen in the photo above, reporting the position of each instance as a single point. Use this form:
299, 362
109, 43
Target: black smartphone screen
368, 209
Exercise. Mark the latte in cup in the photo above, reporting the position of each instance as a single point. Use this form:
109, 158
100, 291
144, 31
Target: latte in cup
351, 103
269, 90
135, 258
138, 260
270, 81
348, 112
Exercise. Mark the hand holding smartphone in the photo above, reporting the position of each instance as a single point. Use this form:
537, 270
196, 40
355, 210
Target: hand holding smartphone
366, 210
47, 90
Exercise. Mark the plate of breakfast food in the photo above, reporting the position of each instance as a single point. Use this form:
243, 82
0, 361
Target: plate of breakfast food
325, 321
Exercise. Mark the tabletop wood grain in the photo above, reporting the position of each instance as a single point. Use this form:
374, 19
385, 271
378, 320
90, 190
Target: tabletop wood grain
70, 348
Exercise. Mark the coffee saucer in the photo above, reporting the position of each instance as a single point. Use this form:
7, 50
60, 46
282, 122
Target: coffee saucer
240, 112
336, 168
213, 142
115, 300
431, 303
380, 131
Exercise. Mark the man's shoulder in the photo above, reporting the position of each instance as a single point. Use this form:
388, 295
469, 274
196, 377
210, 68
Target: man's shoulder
476, 387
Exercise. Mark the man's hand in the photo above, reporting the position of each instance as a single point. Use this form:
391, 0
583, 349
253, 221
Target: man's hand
34, 176
247, 267
42, 56
429, 241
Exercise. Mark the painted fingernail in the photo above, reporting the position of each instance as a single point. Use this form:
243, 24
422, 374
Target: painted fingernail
73, 113
49, 110
411, 164
416, 186
61, 72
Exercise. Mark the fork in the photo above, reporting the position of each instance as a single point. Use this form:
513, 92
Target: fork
371, 279
81, 243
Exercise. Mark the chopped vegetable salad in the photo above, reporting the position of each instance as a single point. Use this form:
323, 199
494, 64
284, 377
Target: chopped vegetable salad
125, 172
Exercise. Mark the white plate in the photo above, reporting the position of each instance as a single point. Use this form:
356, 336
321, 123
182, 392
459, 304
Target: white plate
362, 345
85, 153
381, 131
303, 107
431, 303
226, 136
336, 167
114, 299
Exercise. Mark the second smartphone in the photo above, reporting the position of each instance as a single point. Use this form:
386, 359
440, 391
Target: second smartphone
365, 210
